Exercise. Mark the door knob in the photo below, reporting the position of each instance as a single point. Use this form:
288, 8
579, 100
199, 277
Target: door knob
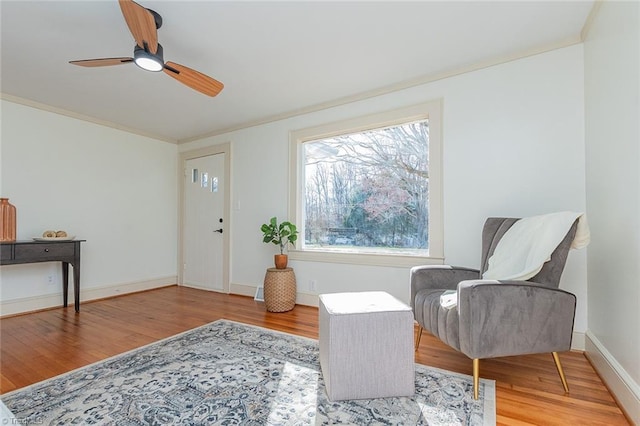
218, 230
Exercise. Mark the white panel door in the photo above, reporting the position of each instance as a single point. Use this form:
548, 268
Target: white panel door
204, 222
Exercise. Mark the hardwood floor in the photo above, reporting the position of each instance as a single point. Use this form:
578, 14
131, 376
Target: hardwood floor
41, 345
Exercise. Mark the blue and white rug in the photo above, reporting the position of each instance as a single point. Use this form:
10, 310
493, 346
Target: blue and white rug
228, 373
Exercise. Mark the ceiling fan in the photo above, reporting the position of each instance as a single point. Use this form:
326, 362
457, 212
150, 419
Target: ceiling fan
148, 55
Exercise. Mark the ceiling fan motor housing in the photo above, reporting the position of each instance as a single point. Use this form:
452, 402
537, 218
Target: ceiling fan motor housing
147, 60
157, 18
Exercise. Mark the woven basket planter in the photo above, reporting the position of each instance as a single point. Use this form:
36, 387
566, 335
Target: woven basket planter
279, 289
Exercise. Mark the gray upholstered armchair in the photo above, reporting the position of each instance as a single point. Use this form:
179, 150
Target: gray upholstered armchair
497, 318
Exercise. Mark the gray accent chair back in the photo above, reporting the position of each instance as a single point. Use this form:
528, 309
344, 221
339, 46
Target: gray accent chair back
496, 227
497, 318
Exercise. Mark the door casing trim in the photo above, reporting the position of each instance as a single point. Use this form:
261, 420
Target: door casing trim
224, 148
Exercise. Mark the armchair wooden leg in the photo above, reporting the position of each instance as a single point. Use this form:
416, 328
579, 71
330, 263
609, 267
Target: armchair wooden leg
476, 377
556, 359
418, 336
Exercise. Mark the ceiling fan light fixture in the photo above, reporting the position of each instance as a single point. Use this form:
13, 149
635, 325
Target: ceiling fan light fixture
147, 60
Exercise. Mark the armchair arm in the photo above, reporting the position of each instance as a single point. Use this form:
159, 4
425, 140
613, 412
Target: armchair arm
439, 277
503, 318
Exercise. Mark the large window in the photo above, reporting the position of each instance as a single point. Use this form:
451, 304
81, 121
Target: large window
369, 189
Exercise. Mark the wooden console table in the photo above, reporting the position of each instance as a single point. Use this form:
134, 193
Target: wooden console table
67, 252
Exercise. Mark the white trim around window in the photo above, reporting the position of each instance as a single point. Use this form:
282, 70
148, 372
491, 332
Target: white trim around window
429, 110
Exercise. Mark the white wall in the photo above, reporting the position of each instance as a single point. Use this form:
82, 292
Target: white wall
114, 189
513, 145
612, 91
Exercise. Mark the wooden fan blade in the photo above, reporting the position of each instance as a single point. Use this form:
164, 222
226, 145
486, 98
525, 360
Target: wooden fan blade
194, 79
141, 23
103, 62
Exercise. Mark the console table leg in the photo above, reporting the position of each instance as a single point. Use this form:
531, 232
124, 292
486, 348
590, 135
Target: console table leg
76, 285
65, 283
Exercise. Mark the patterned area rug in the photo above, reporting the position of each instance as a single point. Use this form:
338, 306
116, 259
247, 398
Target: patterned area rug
235, 374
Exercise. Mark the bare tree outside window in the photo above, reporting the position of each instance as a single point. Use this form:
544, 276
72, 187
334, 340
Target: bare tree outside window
369, 190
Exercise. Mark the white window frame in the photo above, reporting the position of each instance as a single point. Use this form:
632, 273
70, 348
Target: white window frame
429, 110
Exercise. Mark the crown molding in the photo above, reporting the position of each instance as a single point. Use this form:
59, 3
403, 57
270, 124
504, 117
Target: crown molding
330, 104
391, 88
586, 28
67, 113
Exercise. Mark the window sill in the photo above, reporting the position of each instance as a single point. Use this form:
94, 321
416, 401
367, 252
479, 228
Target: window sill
370, 259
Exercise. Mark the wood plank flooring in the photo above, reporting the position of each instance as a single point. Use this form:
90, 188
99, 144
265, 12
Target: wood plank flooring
40, 345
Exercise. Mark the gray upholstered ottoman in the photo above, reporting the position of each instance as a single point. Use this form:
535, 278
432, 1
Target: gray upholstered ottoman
366, 346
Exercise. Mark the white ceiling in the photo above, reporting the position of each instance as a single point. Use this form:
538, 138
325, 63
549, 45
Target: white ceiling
275, 58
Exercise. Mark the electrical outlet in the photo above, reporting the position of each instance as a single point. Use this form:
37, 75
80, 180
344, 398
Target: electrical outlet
51, 279
313, 285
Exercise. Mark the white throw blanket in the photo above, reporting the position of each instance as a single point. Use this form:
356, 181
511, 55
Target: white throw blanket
529, 243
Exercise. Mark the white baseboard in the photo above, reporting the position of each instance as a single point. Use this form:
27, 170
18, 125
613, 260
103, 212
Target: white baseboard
302, 298
200, 287
577, 341
29, 304
242, 289
622, 386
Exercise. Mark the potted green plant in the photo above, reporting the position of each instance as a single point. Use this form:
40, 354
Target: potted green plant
281, 235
